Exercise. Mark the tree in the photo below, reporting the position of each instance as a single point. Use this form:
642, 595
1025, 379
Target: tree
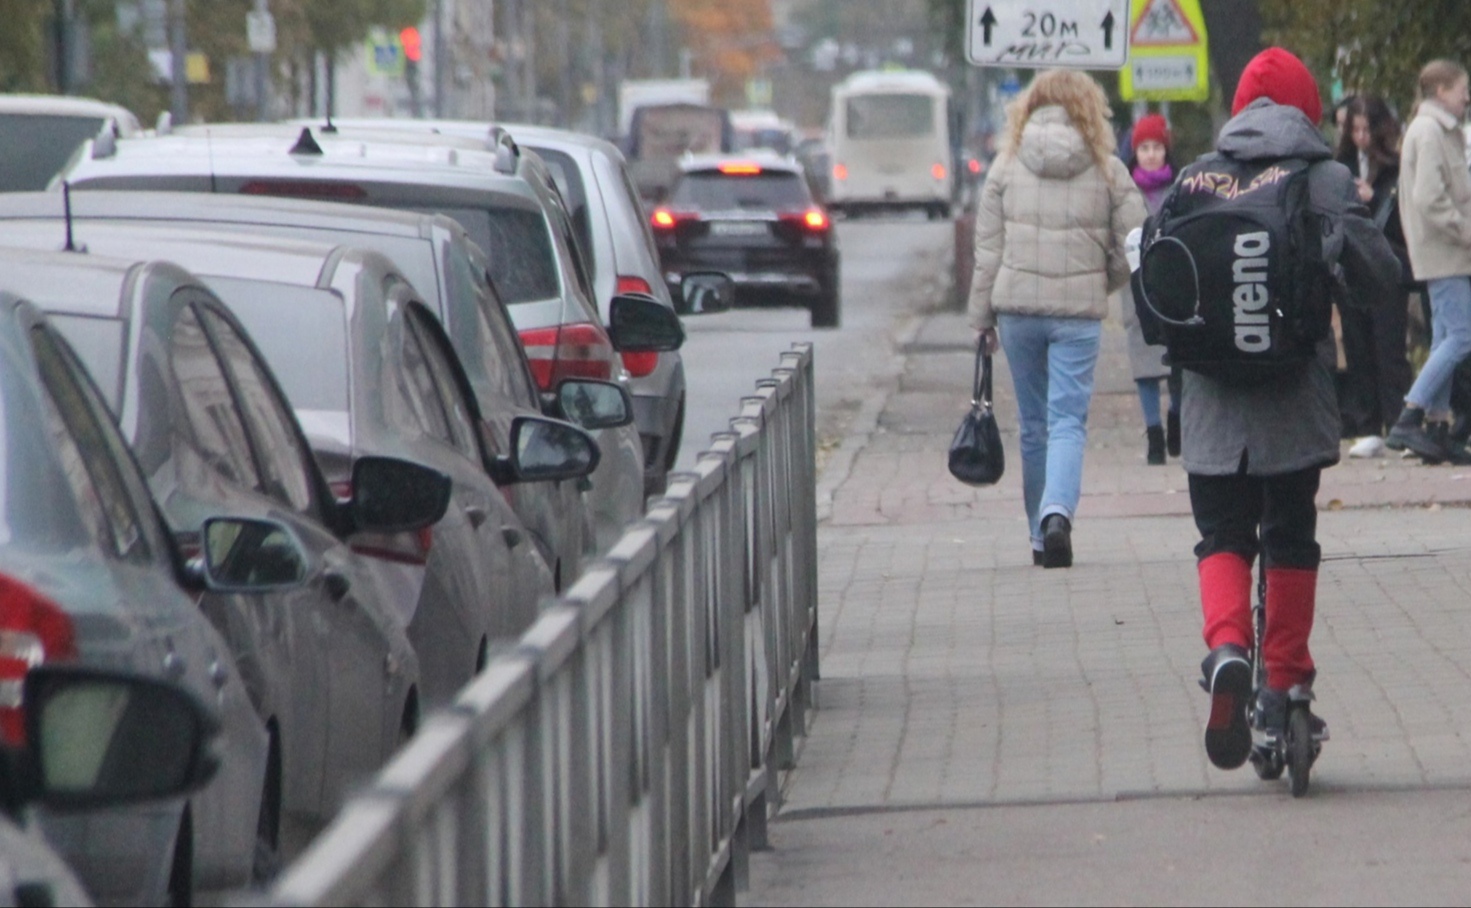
1374, 46
23, 44
732, 39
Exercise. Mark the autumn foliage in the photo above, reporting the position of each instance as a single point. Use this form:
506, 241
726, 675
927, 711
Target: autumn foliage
731, 40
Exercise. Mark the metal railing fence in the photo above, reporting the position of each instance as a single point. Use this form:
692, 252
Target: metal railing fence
627, 750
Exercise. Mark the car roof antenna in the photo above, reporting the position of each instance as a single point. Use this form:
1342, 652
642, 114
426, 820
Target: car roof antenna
329, 129
305, 144
66, 203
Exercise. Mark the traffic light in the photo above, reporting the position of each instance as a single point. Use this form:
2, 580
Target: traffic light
413, 48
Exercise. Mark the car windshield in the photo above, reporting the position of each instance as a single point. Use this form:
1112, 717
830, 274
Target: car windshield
98, 343
33, 147
770, 190
278, 317
892, 116
523, 263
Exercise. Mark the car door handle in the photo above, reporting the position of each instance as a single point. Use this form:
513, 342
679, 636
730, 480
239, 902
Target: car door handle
512, 536
337, 583
477, 515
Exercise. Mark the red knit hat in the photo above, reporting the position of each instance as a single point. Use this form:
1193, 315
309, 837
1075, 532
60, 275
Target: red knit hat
1274, 73
1152, 127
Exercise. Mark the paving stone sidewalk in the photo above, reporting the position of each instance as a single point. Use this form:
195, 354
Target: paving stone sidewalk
956, 676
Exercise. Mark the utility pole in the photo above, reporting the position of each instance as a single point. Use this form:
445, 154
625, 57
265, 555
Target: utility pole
528, 78
439, 58
179, 63
567, 78
658, 39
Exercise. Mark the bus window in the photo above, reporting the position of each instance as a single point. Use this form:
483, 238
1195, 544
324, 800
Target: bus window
890, 116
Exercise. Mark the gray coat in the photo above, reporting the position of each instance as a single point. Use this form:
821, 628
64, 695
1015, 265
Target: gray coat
1288, 425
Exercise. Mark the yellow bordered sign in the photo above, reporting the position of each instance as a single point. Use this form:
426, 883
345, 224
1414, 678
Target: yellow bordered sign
1169, 57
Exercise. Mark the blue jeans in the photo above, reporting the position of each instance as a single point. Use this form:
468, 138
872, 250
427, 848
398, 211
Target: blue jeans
1450, 342
1051, 362
1150, 399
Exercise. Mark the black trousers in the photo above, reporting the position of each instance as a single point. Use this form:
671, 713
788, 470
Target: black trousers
1275, 516
1377, 372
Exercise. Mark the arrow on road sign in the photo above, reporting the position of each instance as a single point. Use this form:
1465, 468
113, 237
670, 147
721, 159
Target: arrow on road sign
1108, 31
988, 22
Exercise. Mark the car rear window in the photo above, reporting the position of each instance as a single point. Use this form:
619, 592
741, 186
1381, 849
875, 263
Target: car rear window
891, 116
568, 177
33, 147
770, 190
98, 343
279, 318
523, 263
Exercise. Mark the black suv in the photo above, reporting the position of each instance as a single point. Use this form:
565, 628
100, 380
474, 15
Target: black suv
753, 218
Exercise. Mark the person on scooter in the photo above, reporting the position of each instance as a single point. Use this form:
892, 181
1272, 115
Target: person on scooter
1254, 454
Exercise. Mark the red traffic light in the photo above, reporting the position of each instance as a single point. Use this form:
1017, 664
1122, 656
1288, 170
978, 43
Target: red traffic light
409, 37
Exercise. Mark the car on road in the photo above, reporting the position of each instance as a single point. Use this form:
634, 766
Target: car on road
753, 218
325, 660
38, 133
89, 576
613, 236
505, 200
435, 254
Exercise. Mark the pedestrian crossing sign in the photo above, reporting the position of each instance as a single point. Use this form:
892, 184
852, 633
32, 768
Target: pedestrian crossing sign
1169, 56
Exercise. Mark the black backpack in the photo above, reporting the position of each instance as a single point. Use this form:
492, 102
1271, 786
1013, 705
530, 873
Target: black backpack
1231, 277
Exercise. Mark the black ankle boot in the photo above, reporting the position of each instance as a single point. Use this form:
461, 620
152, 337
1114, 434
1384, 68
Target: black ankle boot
1172, 433
1156, 453
1410, 432
1057, 542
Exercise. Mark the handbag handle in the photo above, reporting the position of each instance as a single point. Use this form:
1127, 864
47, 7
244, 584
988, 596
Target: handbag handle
981, 395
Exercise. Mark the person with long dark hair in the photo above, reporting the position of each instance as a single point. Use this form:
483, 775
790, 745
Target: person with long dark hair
1378, 371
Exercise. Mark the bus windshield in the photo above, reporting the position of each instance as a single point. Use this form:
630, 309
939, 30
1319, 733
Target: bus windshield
891, 116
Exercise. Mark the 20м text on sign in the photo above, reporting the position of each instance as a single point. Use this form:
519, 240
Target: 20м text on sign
1041, 34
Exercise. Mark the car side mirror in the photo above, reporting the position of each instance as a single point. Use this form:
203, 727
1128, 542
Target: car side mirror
594, 405
395, 496
706, 292
248, 556
101, 738
638, 323
546, 450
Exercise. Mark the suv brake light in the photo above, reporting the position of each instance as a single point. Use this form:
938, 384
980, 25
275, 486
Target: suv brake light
33, 630
664, 219
814, 220
637, 364
580, 350
399, 548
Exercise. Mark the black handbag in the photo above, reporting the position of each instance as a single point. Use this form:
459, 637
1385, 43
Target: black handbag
976, 457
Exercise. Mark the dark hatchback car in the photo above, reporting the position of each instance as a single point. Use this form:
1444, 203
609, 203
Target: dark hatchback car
755, 219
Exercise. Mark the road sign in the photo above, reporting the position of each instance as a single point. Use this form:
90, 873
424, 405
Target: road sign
1041, 34
1169, 57
260, 32
385, 54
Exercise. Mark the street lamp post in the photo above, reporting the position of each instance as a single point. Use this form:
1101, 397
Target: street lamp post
178, 63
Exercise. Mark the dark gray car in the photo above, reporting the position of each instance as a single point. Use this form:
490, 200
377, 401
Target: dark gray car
438, 258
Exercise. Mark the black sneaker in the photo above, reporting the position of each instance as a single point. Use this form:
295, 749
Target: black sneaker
1410, 432
1155, 455
1228, 729
1057, 542
1269, 714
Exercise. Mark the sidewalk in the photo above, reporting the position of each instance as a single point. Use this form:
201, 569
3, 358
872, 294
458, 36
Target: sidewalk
990, 731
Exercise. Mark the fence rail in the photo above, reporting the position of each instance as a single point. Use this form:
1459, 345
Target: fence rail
627, 750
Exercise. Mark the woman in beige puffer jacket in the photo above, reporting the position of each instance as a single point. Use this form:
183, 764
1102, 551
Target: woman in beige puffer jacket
1049, 250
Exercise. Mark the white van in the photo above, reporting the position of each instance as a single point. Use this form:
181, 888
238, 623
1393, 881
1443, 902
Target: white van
890, 138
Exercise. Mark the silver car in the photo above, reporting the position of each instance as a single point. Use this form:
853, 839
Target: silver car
613, 236
438, 258
90, 576
505, 200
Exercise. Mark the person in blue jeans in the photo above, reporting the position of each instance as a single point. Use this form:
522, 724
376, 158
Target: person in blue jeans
1049, 243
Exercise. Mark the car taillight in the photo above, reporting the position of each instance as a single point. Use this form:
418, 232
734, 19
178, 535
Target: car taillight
840, 171
938, 171
33, 630
399, 548
637, 364
664, 219
581, 350
813, 220
630, 283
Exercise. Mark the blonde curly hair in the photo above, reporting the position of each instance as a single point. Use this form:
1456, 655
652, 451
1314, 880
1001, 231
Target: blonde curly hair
1083, 99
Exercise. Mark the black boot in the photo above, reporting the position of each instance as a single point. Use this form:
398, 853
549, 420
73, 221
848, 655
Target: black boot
1455, 452
1057, 542
1411, 432
1156, 454
1172, 433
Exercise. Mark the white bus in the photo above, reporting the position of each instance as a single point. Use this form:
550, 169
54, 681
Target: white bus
889, 133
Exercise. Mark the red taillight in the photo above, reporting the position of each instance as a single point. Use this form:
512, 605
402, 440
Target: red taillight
628, 283
975, 165
815, 219
637, 364
402, 548
33, 630
840, 171
740, 169
663, 219
568, 351
342, 491
938, 171
305, 189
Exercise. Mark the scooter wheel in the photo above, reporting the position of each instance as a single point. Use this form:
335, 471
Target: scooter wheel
1267, 763
1299, 750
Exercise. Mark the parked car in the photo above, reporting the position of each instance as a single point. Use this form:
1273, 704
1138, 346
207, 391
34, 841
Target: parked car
39, 133
439, 259
213, 433
753, 218
89, 576
613, 236
143, 739
505, 200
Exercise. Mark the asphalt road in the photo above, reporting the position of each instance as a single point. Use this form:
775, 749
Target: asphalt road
892, 270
